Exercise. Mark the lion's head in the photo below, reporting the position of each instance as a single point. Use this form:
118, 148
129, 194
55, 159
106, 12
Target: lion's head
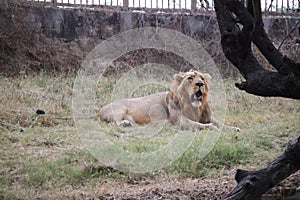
191, 86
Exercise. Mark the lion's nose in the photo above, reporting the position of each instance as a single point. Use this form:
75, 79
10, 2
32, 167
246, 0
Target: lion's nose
199, 84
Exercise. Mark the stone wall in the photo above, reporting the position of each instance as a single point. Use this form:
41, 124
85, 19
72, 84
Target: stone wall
35, 37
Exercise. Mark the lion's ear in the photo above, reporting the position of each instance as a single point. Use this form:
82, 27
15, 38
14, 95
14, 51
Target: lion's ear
178, 77
207, 77
177, 81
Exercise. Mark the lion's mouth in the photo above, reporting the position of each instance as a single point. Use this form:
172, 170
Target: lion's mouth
196, 98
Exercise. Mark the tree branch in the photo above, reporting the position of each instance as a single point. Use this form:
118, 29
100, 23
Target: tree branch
236, 46
266, 83
253, 184
283, 64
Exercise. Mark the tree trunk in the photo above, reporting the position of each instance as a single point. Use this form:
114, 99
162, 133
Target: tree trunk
253, 184
236, 44
240, 27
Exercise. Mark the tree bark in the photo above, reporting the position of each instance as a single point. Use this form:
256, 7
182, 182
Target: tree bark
253, 184
240, 27
252, 17
236, 44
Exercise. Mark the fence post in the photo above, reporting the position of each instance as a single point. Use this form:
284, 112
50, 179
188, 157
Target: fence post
193, 5
54, 2
125, 4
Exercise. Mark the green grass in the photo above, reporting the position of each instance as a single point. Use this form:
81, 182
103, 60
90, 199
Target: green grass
73, 168
45, 153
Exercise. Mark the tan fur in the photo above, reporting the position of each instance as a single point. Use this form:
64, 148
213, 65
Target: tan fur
183, 105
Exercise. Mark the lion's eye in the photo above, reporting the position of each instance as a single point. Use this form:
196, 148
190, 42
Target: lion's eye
202, 78
190, 78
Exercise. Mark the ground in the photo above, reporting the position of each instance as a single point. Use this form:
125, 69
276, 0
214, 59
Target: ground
42, 156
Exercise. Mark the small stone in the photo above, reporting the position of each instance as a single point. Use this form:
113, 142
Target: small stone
40, 112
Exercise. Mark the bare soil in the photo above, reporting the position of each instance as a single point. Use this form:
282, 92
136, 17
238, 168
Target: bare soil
166, 188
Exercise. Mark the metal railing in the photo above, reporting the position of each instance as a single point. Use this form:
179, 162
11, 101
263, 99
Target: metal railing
268, 6
282, 6
136, 4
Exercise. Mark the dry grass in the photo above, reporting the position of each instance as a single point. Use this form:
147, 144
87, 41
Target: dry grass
42, 155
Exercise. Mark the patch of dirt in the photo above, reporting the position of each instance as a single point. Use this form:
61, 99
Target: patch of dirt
160, 188
166, 188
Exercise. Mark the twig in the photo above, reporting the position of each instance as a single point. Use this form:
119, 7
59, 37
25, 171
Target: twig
34, 121
270, 6
293, 29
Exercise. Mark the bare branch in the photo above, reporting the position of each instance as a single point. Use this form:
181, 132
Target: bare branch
288, 35
253, 184
236, 46
260, 38
258, 23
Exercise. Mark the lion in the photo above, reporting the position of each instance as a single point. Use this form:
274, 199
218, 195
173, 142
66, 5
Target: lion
185, 105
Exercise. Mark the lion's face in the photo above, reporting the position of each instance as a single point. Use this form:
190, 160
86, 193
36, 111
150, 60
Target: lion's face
194, 84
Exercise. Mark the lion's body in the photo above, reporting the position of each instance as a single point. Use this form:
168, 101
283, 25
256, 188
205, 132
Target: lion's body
185, 105
138, 110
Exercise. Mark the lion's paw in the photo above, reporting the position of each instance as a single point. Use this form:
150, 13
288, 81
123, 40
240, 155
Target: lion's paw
126, 123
